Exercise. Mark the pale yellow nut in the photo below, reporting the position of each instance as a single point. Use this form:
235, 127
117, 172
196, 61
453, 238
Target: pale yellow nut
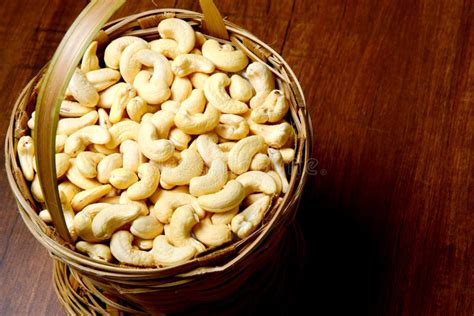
241, 155
166, 201
227, 146
216, 94
142, 204
232, 127
184, 65
275, 136
152, 91
146, 227
122, 96
68, 126
260, 162
89, 60
224, 218
149, 179
198, 80
73, 109
279, 166
163, 121
180, 31
224, 200
181, 89
83, 221
129, 64
248, 220
31, 121
180, 228
114, 50
161, 66
288, 155
60, 143
209, 150
107, 97
131, 155
229, 61
122, 131
122, 250
198, 123
278, 183
112, 218
36, 190
151, 146
122, 178
136, 107
101, 149
171, 106
68, 189
86, 197
75, 176
200, 39
167, 47
179, 138
62, 164
257, 181
191, 166
195, 103
103, 78
107, 165
212, 235
86, 163
273, 109
104, 119
45, 216
212, 181
167, 255
78, 141
82, 90
143, 244
98, 252
240, 89
170, 163
262, 81
26, 152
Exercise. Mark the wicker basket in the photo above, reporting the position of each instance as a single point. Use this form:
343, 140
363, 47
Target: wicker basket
89, 286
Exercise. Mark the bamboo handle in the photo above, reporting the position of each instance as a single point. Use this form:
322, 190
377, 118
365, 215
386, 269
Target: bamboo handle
55, 81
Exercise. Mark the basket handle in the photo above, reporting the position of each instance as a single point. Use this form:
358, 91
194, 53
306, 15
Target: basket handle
54, 83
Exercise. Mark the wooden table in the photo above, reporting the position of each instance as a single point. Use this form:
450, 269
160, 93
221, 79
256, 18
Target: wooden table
388, 211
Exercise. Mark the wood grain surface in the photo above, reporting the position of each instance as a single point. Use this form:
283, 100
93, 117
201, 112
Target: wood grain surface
388, 210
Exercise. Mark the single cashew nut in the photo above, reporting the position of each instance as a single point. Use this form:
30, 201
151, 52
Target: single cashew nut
212, 235
68, 189
240, 89
90, 61
181, 89
26, 153
84, 198
129, 64
86, 163
279, 166
166, 201
198, 123
276, 135
166, 47
107, 165
198, 80
151, 146
215, 92
95, 251
78, 141
122, 249
247, 221
69, 126
260, 162
122, 178
136, 107
168, 255
257, 181
131, 155
224, 218
36, 190
146, 227
224, 59
143, 244
273, 109
241, 155
191, 166
209, 150
262, 81
122, 131
45, 216
149, 179
233, 127
187, 64
123, 94
179, 138
82, 90
288, 155
71, 109
213, 181
181, 224
224, 200
195, 103
114, 50
103, 78
31, 121
180, 31
75, 176
112, 218
152, 89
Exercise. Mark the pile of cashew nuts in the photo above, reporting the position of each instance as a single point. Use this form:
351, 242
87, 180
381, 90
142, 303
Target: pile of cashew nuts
166, 148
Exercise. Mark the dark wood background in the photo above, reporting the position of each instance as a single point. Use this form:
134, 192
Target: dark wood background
388, 211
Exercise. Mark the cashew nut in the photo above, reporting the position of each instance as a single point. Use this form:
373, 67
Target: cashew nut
122, 96
142, 204
233, 127
86, 163
122, 131
103, 78
84, 198
262, 81
212, 182
108, 96
122, 178
273, 109
78, 141
198, 123
89, 60
45, 216
277, 179
151, 146
62, 164
107, 165
69, 126
179, 138
191, 166
171, 163
209, 150
200, 39
166, 47
224, 218
82, 90
240, 89
184, 65
276, 135
161, 65
95, 251
227, 146
136, 107
180, 31
146, 227
143, 244
26, 152
166, 201
212, 235
247, 221
224, 200
288, 155
83, 221
114, 50
195, 103
241, 155
129, 64
168, 255
198, 80
131, 155
149, 179
104, 119
279, 166
181, 89
73, 109
112, 218
257, 181
31, 121
171, 106
122, 249
75, 176
68, 189
153, 88
215, 92
181, 224
36, 190
224, 59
